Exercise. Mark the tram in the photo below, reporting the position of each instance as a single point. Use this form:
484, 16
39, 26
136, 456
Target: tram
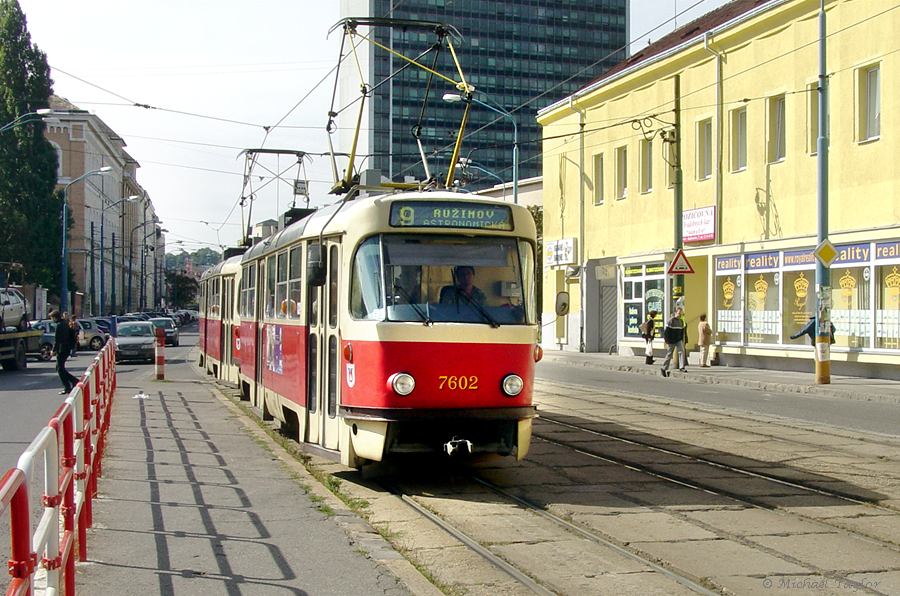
358, 331
219, 340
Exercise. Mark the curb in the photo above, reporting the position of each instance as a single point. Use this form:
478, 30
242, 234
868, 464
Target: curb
812, 390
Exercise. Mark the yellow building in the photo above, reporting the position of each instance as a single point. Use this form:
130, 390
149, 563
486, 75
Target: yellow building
741, 83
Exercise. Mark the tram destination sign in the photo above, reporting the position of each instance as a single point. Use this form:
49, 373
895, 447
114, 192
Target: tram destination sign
451, 214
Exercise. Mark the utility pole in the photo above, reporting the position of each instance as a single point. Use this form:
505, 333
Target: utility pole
823, 275
113, 289
93, 277
678, 283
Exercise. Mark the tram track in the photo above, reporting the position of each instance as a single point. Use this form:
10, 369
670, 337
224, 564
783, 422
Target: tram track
532, 579
698, 484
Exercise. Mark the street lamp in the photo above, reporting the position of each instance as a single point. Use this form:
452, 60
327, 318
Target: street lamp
64, 274
26, 118
103, 209
456, 97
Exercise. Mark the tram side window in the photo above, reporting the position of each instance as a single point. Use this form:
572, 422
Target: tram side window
270, 287
251, 292
295, 288
281, 286
203, 298
333, 267
215, 298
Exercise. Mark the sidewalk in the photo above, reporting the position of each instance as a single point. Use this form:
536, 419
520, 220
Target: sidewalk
842, 387
195, 498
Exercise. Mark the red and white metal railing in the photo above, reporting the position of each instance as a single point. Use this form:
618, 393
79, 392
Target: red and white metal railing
72, 446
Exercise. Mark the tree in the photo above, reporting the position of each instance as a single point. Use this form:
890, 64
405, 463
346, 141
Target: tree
29, 205
183, 288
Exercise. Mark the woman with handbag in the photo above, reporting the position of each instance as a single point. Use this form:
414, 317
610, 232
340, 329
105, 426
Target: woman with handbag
648, 332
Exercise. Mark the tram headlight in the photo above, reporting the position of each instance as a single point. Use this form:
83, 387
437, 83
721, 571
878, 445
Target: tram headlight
513, 385
402, 383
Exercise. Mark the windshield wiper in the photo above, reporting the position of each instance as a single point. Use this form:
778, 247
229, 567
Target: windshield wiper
479, 308
422, 315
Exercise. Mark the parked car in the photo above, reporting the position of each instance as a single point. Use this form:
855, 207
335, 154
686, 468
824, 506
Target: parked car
13, 310
136, 341
167, 325
48, 338
93, 337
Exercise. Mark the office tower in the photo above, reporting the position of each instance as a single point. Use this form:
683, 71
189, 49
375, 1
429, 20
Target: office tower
521, 55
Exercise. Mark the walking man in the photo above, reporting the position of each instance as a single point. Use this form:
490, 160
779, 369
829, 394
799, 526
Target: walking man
62, 348
673, 335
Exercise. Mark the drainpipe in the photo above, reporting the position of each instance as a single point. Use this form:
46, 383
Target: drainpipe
719, 134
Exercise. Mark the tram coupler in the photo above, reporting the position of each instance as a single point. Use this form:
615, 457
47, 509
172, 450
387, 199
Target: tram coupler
454, 445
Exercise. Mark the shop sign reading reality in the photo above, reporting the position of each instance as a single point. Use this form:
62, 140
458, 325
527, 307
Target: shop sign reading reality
698, 225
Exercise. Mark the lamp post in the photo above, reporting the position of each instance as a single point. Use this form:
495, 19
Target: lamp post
103, 209
64, 264
455, 97
144, 254
26, 118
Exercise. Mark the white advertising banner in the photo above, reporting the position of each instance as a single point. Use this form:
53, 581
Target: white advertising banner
698, 225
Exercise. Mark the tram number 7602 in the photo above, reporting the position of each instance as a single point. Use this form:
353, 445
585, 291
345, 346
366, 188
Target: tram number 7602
454, 382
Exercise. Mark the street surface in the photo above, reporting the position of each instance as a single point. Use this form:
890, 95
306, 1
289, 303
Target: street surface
877, 417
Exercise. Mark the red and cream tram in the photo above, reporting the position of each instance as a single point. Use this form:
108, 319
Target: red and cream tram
219, 342
395, 323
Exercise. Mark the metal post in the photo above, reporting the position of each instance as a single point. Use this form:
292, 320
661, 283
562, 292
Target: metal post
823, 281
142, 300
100, 311
93, 274
112, 299
64, 261
130, 268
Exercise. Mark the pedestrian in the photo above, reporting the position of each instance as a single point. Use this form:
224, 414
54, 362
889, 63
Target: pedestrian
704, 335
62, 348
75, 329
684, 340
810, 330
648, 332
673, 335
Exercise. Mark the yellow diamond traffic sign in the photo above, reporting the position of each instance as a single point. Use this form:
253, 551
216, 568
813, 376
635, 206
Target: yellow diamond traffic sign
826, 252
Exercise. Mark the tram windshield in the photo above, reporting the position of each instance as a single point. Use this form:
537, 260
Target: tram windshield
438, 279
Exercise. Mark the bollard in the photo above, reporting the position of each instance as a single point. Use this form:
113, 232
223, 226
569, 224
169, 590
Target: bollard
160, 354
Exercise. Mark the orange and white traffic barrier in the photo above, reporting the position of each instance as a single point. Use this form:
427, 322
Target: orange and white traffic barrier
160, 354
71, 448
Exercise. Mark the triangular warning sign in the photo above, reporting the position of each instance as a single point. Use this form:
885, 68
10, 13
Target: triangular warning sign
680, 264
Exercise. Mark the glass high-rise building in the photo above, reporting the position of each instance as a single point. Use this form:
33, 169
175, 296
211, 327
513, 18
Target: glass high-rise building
520, 55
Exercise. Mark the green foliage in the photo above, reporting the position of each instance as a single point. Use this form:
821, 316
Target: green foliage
201, 259
183, 288
29, 206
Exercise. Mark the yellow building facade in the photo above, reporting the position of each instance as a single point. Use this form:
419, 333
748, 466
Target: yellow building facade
741, 84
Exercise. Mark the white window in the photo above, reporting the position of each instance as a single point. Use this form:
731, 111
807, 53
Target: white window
671, 159
812, 126
704, 149
869, 103
776, 138
739, 139
621, 172
646, 165
598, 179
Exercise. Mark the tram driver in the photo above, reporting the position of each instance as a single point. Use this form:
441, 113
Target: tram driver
463, 289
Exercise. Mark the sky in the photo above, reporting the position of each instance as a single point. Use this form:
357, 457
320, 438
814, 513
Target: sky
218, 72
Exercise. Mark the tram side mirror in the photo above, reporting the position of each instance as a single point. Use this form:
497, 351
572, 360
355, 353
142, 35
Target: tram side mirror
562, 304
315, 265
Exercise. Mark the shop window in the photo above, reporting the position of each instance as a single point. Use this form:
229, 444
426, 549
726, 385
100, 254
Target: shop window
763, 310
643, 290
798, 304
887, 308
729, 309
850, 306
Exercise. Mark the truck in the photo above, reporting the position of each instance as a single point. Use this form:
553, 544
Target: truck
16, 346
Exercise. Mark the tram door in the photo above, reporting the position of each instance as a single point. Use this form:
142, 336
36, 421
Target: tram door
323, 352
262, 276
227, 323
